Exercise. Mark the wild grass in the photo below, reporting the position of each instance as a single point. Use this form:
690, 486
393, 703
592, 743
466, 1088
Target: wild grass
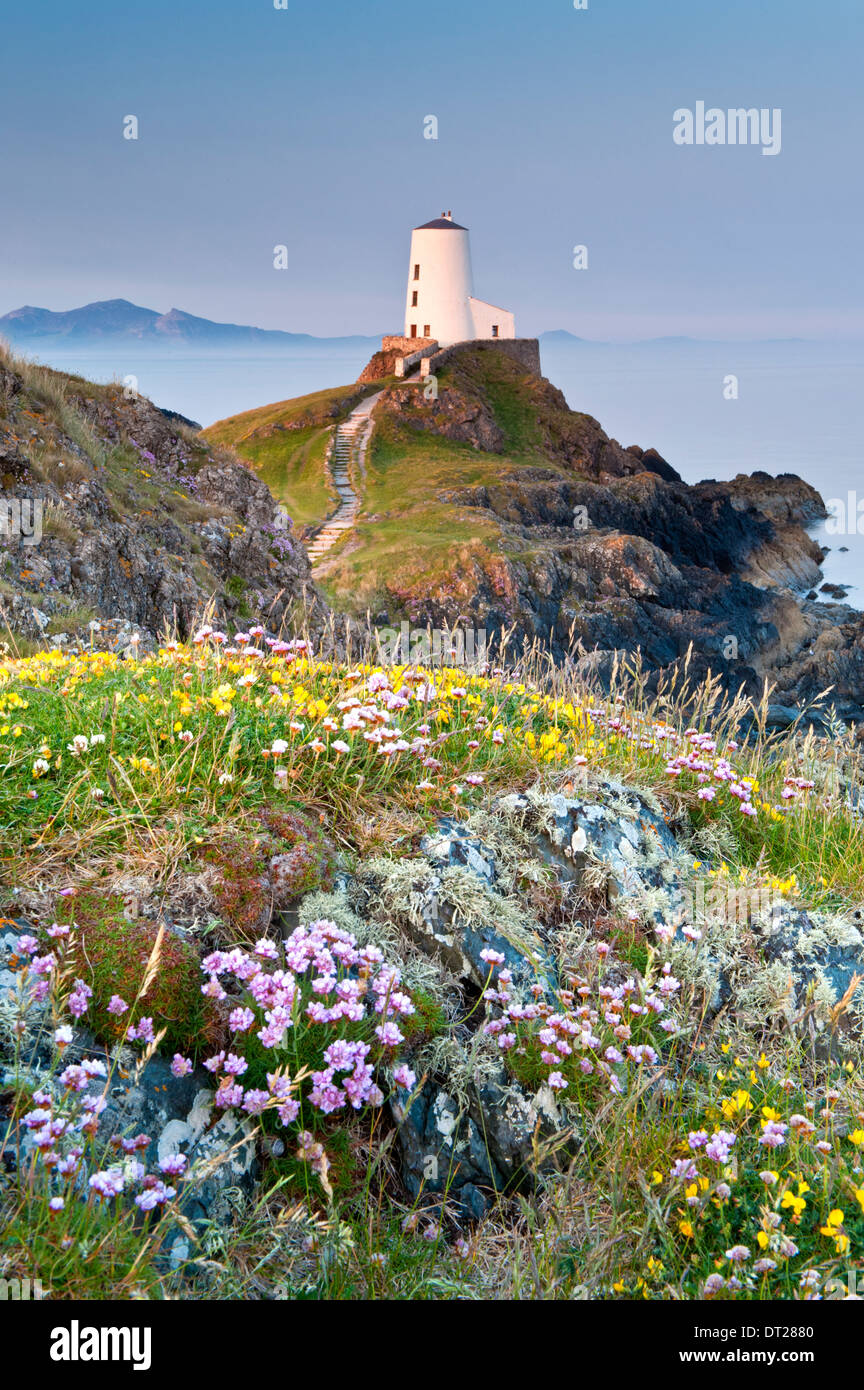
286, 444
293, 467
56, 522
408, 475
109, 765
189, 733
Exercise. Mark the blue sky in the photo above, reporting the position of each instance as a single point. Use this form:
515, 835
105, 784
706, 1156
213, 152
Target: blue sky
305, 127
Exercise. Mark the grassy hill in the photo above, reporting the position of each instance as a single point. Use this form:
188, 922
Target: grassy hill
286, 443
494, 505
411, 538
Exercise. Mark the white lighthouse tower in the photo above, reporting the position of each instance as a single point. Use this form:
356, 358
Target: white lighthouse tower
440, 303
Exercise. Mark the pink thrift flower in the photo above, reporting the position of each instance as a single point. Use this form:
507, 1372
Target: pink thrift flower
173, 1164
389, 1035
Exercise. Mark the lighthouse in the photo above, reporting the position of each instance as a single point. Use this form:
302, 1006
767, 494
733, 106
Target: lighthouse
442, 311
440, 304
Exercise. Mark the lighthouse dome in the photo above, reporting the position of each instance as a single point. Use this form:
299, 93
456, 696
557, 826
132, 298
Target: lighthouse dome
441, 222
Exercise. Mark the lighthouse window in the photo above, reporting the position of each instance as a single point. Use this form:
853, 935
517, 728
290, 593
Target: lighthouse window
426, 331
494, 330
416, 272
414, 299
413, 330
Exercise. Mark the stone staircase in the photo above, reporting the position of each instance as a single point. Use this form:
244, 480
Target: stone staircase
345, 463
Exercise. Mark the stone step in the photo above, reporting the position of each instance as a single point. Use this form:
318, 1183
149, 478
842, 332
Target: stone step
348, 447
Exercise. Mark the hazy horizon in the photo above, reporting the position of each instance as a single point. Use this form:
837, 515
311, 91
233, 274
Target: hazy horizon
167, 344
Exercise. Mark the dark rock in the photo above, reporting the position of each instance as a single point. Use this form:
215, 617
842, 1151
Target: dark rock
145, 524
452, 846
487, 1142
609, 824
602, 552
178, 1115
442, 927
179, 419
655, 463
466, 1155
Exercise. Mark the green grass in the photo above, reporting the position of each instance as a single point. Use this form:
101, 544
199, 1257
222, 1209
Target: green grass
146, 773
286, 444
111, 954
294, 469
409, 544
73, 617
300, 411
492, 378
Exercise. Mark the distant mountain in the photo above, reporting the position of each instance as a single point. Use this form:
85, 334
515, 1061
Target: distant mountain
112, 321
117, 323
560, 335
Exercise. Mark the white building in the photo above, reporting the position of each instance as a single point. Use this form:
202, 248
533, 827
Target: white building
440, 303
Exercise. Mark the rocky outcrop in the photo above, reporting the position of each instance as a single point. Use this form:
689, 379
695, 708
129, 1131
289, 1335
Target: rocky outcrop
381, 364
524, 351
141, 519
603, 550
474, 1123
172, 1114
465, 410
455, 415
788, 556
581, 902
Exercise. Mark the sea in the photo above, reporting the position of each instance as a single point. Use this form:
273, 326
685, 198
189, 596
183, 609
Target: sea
712, 409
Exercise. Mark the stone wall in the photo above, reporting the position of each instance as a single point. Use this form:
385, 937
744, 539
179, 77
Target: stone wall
406, 366
393, 350
393, 343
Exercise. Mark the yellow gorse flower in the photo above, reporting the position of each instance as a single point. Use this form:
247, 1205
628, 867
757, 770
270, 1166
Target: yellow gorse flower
736, 1104
796, 1204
